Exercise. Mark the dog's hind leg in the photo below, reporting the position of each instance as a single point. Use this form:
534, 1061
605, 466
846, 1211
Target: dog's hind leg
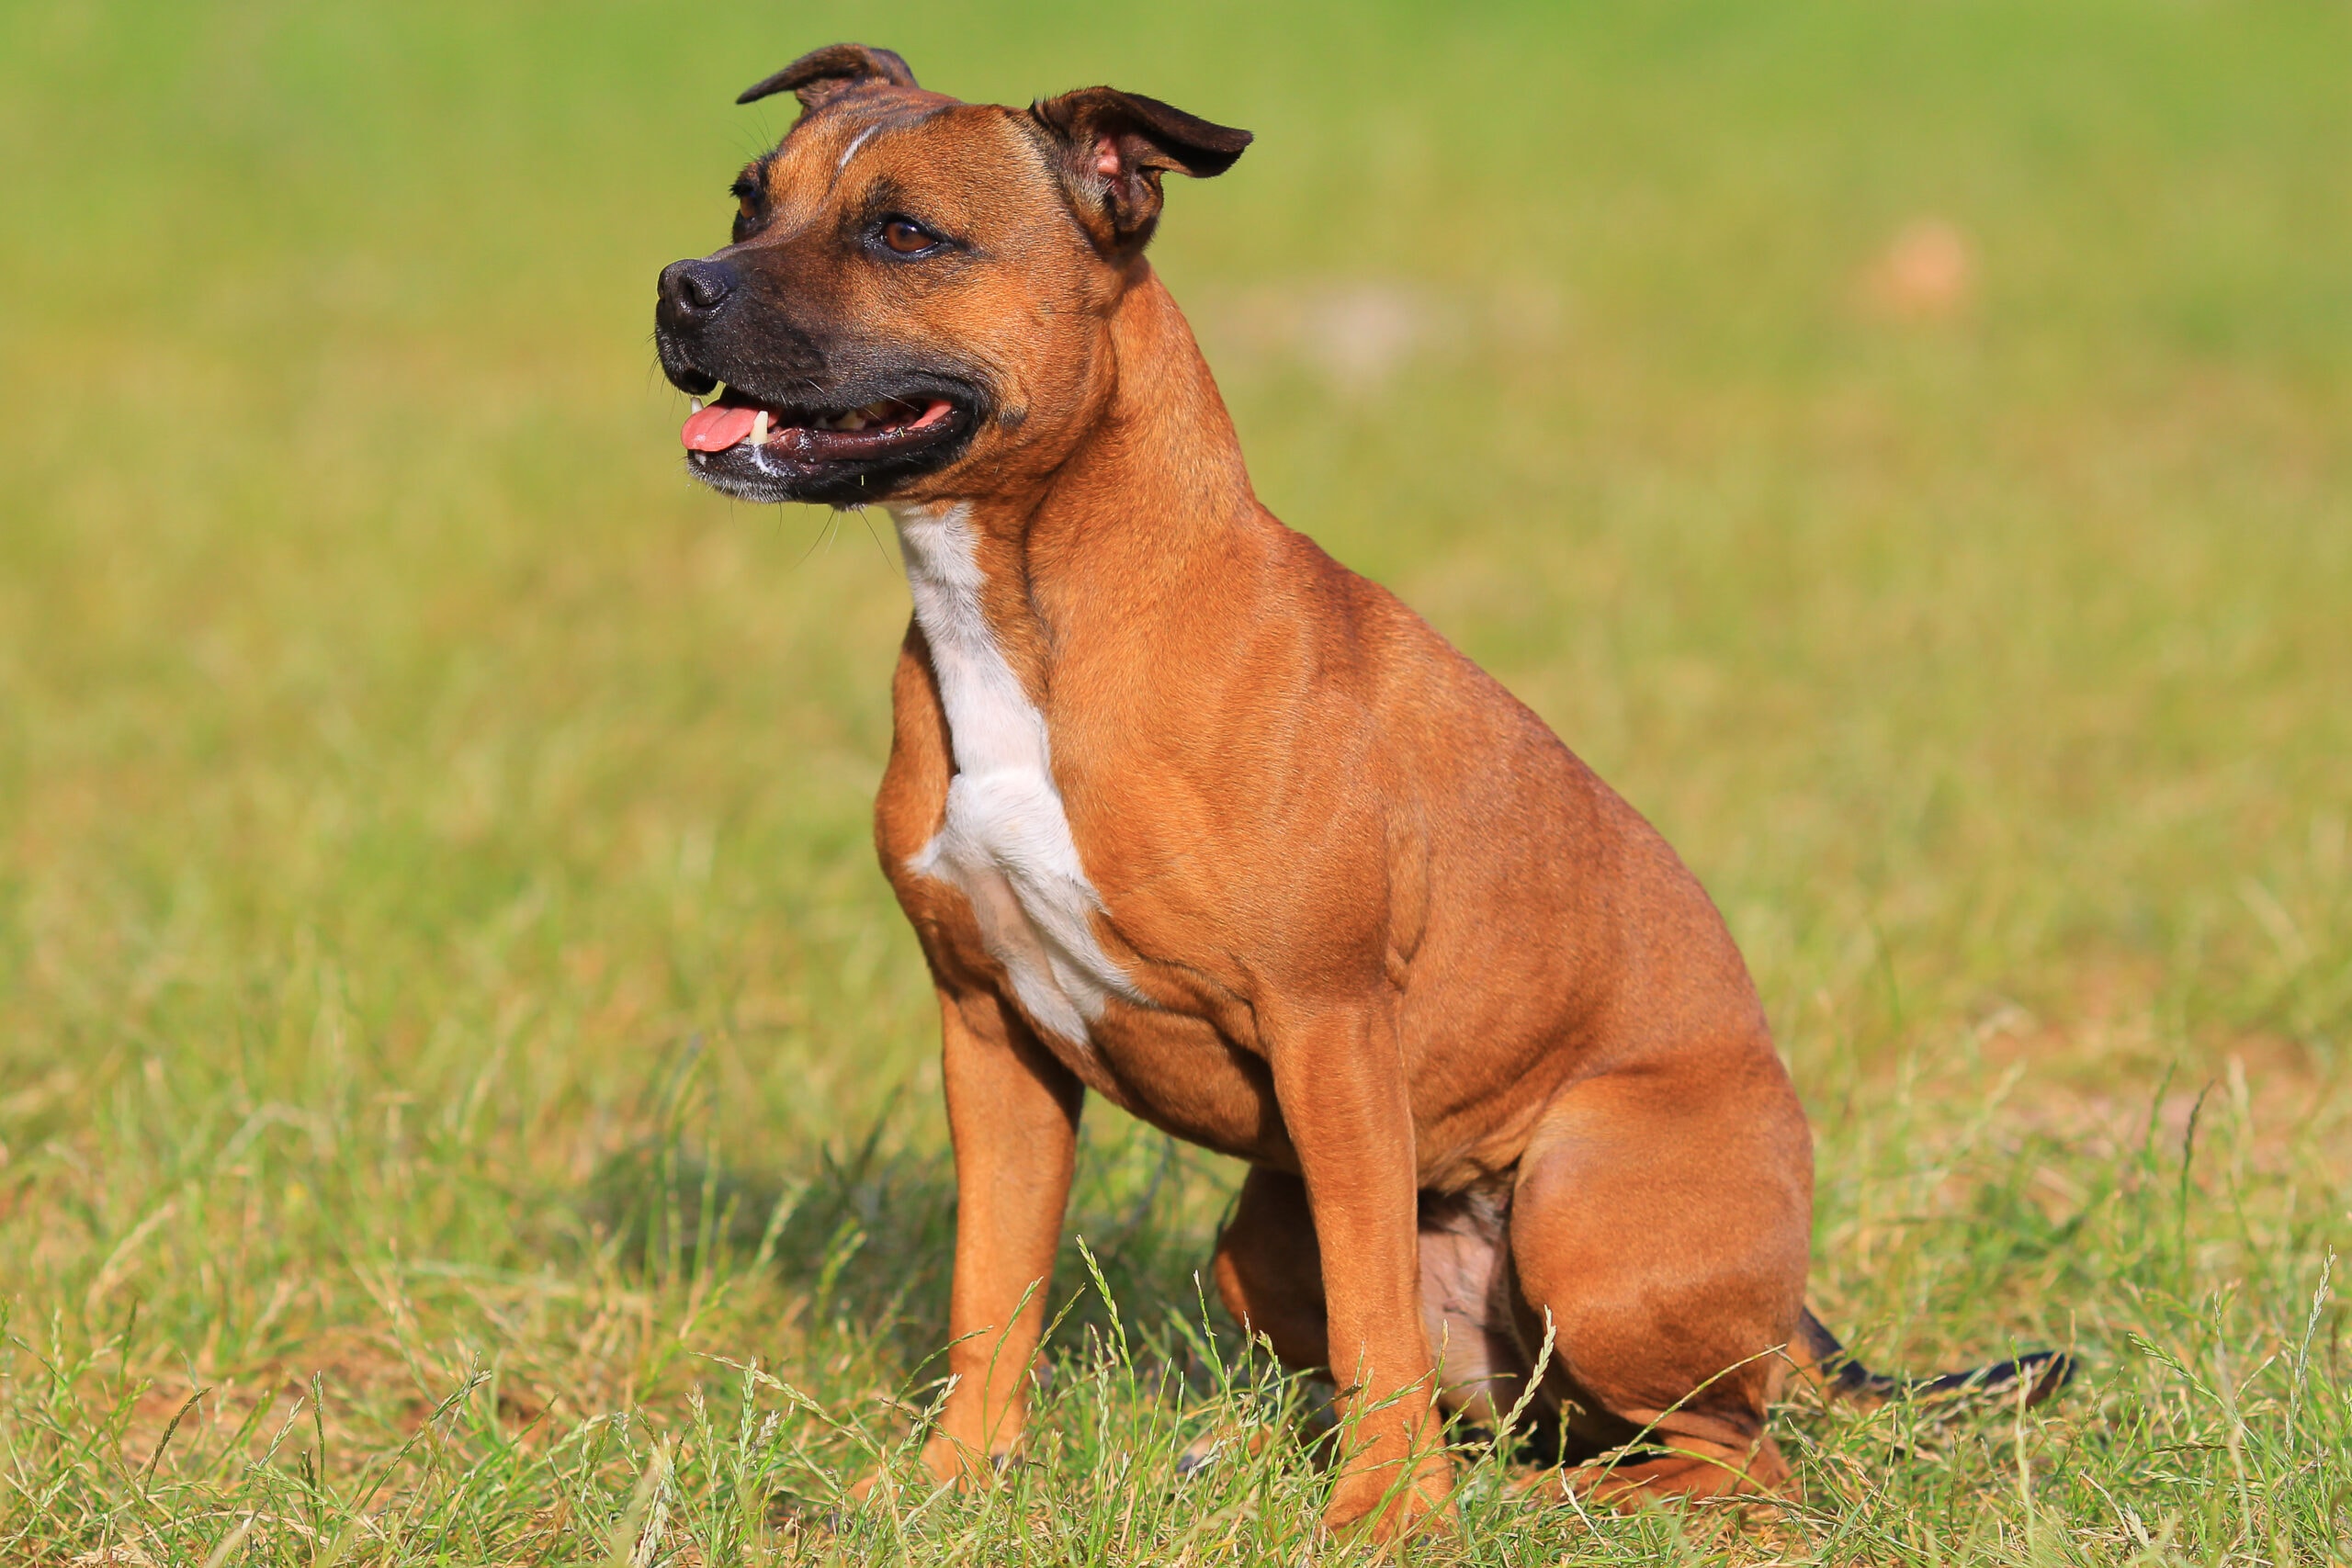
1268, 1273
1662, 1218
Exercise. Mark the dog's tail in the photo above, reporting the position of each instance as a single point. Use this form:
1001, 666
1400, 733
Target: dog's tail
1823, 1361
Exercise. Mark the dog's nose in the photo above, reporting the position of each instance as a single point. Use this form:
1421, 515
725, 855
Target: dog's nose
693, 290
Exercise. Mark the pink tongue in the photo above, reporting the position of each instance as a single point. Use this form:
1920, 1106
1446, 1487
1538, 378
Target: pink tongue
717, 428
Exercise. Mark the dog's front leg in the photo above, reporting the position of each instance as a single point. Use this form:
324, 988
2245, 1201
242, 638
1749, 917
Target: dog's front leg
1340, 1084
1012, 1112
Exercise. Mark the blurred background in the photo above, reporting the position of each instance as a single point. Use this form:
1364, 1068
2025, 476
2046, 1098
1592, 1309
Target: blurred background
1906, 449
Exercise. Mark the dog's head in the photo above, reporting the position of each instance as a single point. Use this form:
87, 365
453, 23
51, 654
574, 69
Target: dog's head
917, 292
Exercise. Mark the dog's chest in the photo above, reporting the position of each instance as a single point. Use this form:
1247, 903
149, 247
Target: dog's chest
1006, 841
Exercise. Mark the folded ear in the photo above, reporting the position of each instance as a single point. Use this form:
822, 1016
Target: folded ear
822, 75
1114, 147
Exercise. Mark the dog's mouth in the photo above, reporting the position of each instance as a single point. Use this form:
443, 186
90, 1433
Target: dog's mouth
817, 435
768, 451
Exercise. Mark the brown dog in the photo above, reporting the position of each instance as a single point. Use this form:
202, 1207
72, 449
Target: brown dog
1190, 815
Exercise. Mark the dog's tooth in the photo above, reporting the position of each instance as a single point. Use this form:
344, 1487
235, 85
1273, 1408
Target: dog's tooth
760, 429
697, 402
854, 420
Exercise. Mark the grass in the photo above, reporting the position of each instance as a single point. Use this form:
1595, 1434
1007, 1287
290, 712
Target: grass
466, 1096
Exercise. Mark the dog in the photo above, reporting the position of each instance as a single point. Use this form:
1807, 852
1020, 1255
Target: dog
1190, 816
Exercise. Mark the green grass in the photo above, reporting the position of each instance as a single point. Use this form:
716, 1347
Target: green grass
448, 1011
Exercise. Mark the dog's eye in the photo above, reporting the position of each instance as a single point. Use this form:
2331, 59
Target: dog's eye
906, 237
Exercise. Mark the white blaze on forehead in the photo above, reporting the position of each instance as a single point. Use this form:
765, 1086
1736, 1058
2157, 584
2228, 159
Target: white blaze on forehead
1006, 841
854, 143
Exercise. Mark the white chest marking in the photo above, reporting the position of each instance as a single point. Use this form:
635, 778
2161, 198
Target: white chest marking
1006, 841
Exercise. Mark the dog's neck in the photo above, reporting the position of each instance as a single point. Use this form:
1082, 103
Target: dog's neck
1142, 517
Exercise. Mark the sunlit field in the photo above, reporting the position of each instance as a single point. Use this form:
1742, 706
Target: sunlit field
467, 1097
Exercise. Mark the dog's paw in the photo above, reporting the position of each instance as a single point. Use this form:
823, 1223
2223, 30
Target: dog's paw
1221, 1444
1369, 1503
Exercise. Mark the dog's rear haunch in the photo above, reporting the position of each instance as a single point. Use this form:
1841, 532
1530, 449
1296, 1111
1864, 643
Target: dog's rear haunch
1188, 815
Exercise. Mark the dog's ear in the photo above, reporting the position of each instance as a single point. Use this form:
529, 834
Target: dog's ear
823, 74
1113, 148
